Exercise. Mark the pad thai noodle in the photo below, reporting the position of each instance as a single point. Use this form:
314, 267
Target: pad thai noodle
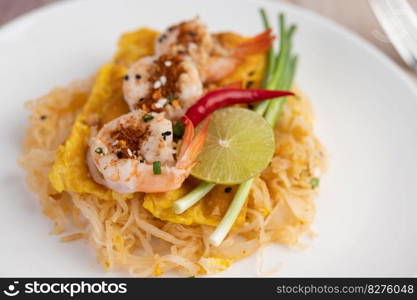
187, 151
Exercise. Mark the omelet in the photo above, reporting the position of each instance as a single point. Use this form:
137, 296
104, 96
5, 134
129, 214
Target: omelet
209, 211
212, 265
70, 171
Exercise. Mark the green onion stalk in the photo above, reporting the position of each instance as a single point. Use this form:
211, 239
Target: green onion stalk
279, 74
193, 197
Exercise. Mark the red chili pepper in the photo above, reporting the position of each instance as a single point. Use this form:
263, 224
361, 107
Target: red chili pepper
225, 97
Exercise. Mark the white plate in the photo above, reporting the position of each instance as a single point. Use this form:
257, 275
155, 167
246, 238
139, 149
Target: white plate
366, 117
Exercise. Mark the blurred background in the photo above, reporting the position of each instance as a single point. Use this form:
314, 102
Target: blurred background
353, 14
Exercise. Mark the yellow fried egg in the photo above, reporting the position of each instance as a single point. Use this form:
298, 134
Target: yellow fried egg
70, 171
209, 211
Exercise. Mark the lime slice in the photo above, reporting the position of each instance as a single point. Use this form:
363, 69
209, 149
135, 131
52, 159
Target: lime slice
239, 145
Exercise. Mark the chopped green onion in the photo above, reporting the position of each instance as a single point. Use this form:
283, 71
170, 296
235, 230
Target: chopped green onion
315, 182
170, 97
279, 60
217, 237
157, 167
281, 66
193, 197
270, 55
277, 65
275, 105
262, 106
99, 150
178, 129
147, 118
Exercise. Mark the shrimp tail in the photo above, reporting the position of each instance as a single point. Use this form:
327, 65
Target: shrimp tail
192, 146
188, 135
255, 45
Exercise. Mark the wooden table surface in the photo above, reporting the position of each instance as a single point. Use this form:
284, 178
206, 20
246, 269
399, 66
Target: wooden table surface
353, 14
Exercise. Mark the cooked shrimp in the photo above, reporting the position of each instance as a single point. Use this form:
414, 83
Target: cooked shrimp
136, 153
186, 38
169, 83
222, 63
213, 60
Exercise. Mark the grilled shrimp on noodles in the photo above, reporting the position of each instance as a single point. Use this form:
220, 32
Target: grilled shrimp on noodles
136, 153
213, 59
166, 83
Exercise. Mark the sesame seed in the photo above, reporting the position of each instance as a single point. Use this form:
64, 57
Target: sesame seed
138, 76
161, 103
129, 152
163, 80
157, 84
126, 77
115, 143
168, 63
